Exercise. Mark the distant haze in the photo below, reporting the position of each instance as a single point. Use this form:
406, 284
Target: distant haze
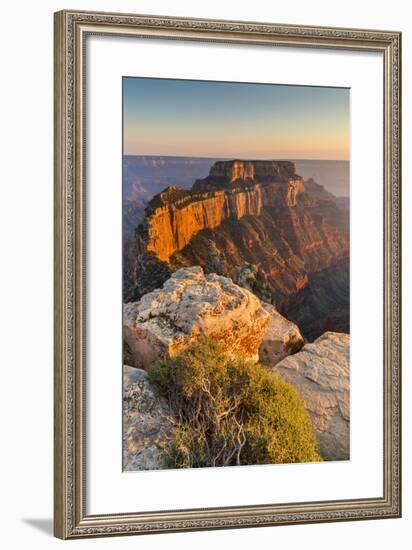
234, 120
145, 176
334, 175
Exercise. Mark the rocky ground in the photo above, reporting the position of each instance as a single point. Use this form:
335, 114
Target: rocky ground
320, 373
192, 304
146, 422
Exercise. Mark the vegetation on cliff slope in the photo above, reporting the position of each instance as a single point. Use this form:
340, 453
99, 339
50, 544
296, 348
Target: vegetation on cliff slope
150, 274
231, 411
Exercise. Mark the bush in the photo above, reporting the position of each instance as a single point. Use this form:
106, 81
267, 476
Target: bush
231, 411
261, 288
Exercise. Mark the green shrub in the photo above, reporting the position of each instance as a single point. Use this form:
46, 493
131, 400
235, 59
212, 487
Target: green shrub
231, 411
261, 288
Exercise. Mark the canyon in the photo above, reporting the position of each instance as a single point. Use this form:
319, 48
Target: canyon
295, 234
230, 192
146, 175
245, 253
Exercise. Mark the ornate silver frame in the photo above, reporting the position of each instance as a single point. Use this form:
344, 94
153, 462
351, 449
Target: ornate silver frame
70, 518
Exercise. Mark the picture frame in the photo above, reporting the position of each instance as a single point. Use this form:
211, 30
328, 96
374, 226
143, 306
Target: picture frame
71, 474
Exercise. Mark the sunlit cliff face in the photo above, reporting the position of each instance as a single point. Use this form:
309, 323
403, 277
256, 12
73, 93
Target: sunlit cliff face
262, 171
295, 236
231, 191
242, 170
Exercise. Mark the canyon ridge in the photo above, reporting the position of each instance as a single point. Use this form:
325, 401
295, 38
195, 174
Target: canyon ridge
258, 223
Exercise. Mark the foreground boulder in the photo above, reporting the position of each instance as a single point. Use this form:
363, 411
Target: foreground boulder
147, 425
320, 373
190, 305
282, 338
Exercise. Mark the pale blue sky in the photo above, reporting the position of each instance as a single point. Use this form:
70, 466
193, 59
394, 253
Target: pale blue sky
226, 119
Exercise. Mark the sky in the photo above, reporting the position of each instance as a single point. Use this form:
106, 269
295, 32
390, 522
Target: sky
234, 120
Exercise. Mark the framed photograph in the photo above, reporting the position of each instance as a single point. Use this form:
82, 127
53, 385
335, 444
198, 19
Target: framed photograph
227, 274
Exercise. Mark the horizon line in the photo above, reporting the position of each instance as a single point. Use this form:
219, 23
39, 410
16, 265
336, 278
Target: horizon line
232, 157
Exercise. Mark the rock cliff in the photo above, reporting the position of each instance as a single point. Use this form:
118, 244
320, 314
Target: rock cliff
192, 304
230, 192
300, 257
258, 213
281, 338
189, 305
320, 373
225, 173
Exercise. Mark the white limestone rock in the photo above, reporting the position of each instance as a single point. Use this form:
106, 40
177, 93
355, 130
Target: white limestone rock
147, 424
320, 373
189, 305
282, 338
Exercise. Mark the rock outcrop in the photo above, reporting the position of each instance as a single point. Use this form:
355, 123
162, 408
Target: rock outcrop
290, 247
320, 373
230, 192
282, 337
147, 425
224, 174
189, 305
251, 212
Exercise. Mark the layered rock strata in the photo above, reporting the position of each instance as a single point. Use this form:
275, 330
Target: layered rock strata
251, 213
224, 173
175, 216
